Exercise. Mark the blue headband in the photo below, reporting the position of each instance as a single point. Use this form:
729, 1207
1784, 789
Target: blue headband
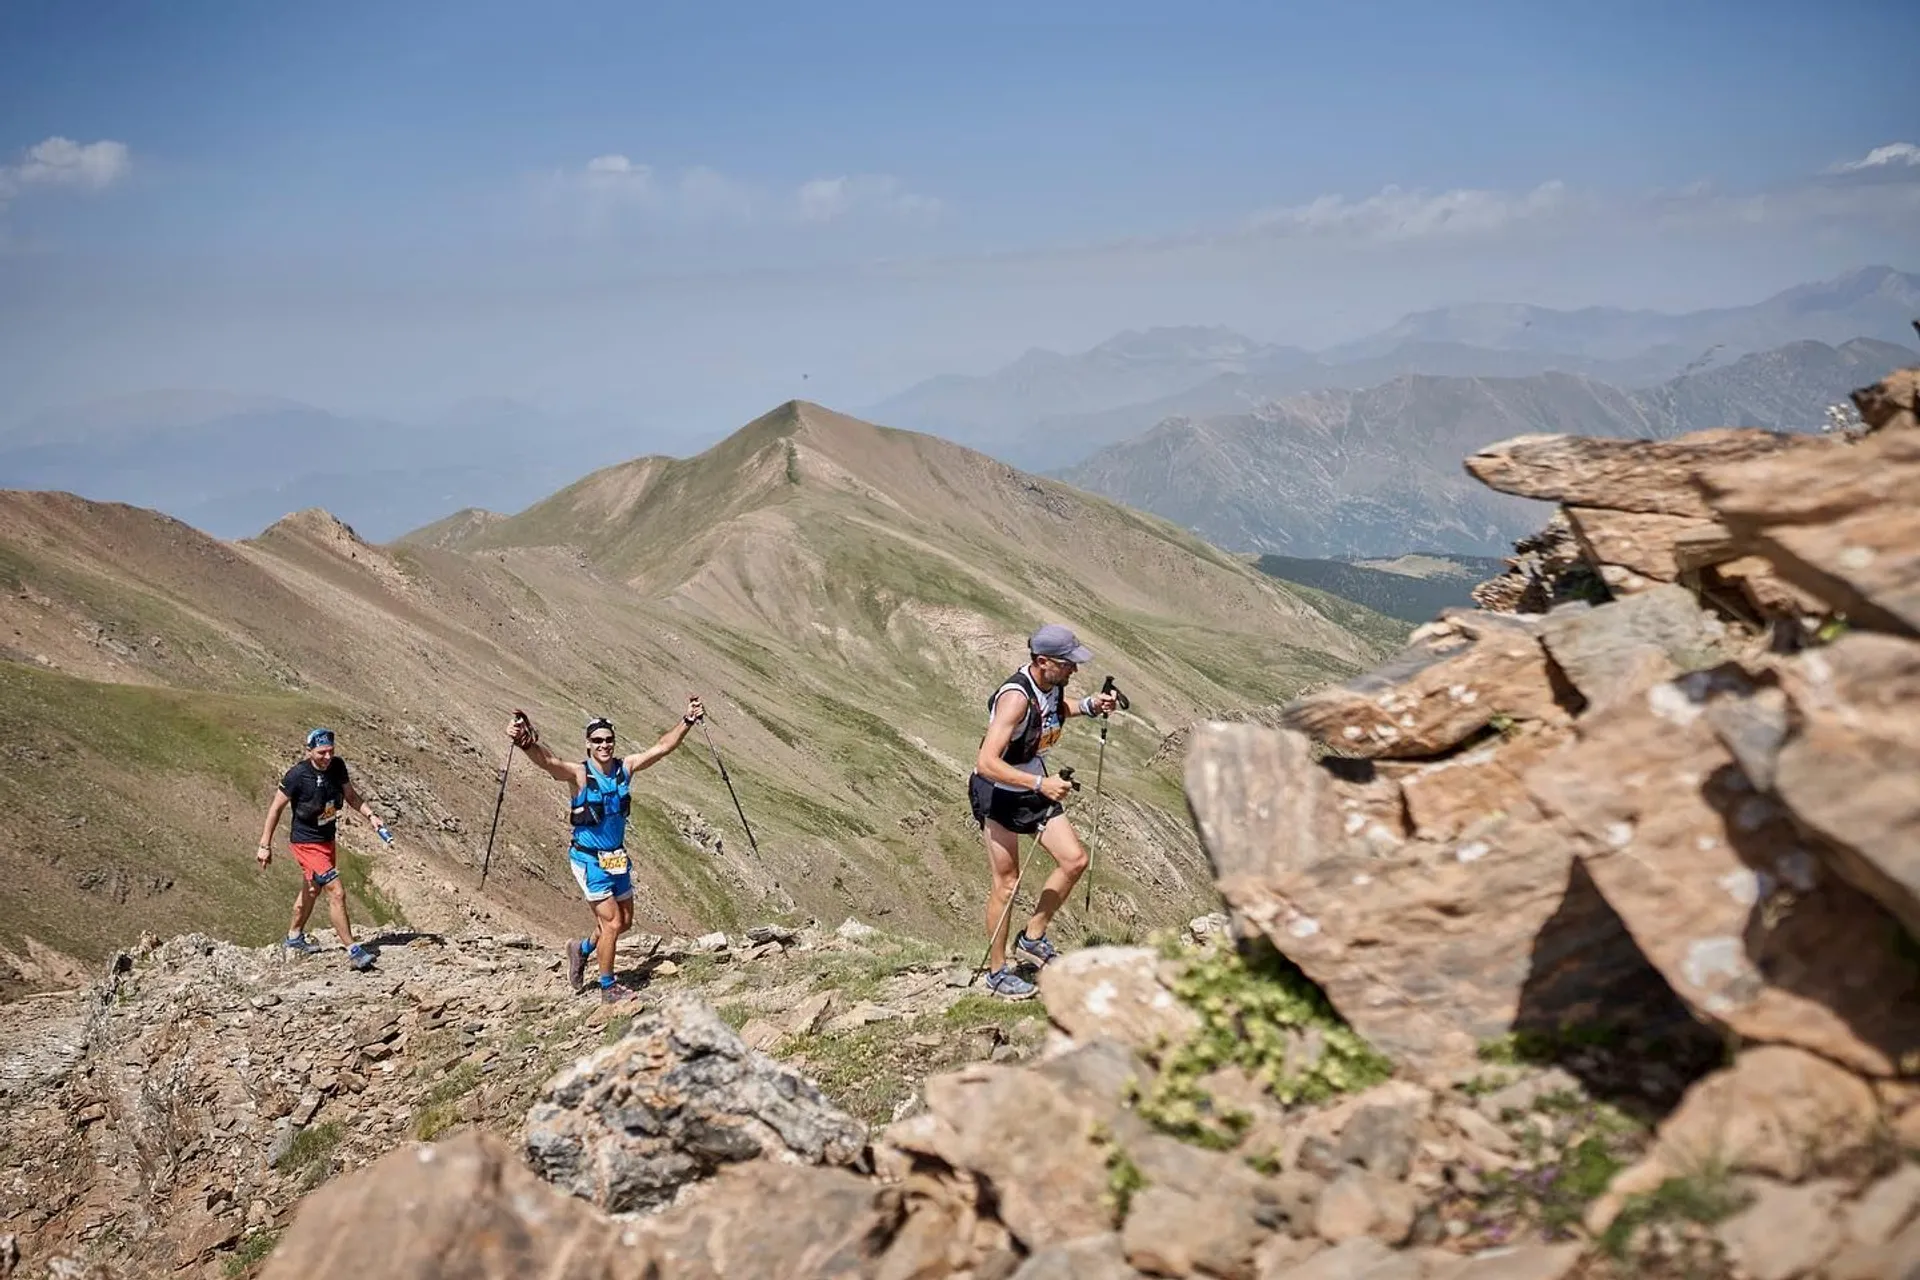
319, 738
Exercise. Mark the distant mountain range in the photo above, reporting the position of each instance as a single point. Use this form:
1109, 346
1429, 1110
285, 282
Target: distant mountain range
1047, 410
231, 465
1376, 471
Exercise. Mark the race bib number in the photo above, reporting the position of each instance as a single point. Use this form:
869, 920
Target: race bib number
612, 861
1049, 734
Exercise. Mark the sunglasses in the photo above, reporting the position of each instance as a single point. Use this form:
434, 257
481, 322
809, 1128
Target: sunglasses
601, 742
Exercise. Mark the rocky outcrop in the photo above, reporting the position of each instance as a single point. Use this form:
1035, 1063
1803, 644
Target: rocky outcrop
1455, 679
671, 1102
468, 1207
1730, 805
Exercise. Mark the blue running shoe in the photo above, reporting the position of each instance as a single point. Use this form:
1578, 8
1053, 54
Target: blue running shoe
360, 957
1038, 950
1008, 985
301, 945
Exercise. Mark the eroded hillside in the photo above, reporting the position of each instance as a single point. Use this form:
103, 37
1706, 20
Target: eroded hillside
842, 596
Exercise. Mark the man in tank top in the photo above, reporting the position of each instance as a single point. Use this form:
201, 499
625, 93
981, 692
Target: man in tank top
1012, 795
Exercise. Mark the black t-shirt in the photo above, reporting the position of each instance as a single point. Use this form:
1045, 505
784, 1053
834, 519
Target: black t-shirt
317, 799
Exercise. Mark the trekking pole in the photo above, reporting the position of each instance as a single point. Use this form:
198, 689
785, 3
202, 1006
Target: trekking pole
1019, 873
729, 781
519, 717
1099, 774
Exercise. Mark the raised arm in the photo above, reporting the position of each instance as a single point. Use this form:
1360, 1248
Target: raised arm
527, 738
669, 740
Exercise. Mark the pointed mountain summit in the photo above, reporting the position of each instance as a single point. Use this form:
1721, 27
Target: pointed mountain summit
807, 513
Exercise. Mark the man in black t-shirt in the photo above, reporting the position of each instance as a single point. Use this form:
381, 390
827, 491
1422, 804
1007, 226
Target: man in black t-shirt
316, 789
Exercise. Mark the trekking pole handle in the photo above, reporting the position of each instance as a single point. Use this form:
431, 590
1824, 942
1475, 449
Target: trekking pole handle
1066, 776
1120, 699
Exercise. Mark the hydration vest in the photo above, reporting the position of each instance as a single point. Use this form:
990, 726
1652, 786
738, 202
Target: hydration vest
600, 809
1032, 737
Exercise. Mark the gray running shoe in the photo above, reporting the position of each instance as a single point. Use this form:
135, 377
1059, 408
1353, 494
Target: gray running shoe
1009, 985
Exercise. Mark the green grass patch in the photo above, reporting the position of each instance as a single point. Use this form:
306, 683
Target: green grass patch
1247, 1004
1542, 1048
1124, 1182
735, 1013
975, 1010
253, 1249
689, 870
1556, 1195
865, 1072
457, 1083
430, 1122
310, 1154
356, 872
136, 726
863, 973
1706, 1196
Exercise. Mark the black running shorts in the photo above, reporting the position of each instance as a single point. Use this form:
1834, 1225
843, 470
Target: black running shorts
1021, 812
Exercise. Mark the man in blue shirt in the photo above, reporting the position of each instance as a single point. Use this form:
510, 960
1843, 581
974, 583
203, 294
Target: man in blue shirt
602, 797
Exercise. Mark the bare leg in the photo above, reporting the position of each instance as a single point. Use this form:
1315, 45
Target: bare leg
1003, 857
337, 908
606, 933
303, 907
1062, 843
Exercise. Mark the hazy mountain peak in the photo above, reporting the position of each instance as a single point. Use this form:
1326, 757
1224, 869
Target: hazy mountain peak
313, 524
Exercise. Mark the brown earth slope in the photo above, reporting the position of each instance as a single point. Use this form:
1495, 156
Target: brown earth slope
843, 596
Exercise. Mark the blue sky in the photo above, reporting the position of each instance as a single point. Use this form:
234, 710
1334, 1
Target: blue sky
674, 210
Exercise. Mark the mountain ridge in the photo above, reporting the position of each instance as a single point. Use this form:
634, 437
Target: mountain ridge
839, 593
1051, 414
1375, 471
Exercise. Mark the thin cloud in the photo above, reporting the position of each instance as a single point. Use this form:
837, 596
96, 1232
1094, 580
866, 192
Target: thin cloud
1894, 153
829, 199
61, 162
612, 184
1395, 215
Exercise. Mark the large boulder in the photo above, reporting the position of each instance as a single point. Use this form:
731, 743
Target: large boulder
1427, 945
1458, 676
1618, 650
1777, 1111
465, 1209
1723, 893
1115, 993
1636, 549
1841, 522
1650, 476
1848, 765
1029, 1136
672, 1101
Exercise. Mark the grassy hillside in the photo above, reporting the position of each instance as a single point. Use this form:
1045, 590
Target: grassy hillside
842, 596
125, 808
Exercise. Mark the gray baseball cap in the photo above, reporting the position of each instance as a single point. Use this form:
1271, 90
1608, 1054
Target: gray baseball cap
1057, 641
